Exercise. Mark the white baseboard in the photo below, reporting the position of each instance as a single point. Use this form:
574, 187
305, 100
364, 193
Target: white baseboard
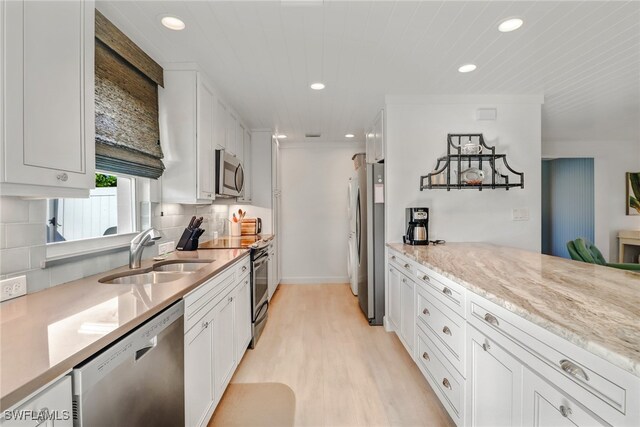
314, 280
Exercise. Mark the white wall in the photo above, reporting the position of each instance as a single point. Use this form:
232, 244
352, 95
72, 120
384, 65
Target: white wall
611, 160
314, 211
416, 135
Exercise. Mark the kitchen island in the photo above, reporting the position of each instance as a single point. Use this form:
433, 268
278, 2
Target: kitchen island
551, 321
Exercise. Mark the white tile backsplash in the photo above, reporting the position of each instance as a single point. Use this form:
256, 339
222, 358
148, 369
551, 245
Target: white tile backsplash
13, 209
19, 235
14, 260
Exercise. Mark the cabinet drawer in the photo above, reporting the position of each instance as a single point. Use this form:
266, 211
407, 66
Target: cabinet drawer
243, 267
401, 263
198, 302
572, 369
449, 293
446, 325
447, 383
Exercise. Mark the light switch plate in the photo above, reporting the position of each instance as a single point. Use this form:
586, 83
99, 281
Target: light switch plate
520, 214
165, 248
13, 287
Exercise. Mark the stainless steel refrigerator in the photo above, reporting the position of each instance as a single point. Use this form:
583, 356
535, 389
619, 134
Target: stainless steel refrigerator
370, 239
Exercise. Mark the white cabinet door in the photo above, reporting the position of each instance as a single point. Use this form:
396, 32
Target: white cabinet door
545, 406
199, 390
242, 317
55, 401
220, 125
395, 298
494, 395
48, 56
239, 144
369, 146
246, 145
205, 144
407, 313
223, 343
378, 132
232, 123
272, 283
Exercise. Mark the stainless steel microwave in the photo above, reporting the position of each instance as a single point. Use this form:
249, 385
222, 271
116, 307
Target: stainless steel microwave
230, 175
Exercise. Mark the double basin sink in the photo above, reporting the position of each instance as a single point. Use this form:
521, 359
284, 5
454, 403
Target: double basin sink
164, 272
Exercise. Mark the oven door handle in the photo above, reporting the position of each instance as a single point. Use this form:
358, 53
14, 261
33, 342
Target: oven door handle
259, 318
259, 261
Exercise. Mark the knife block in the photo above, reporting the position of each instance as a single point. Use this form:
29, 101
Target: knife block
187, 242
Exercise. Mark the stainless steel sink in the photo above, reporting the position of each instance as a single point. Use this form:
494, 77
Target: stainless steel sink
182, 266
160, 273
151, 277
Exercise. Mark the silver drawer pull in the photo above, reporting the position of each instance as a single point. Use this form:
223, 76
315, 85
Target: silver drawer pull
446, 383
205, 325
244, 268
446, 291
486, 346
407, 266
425, 356
393, 257
446, 330
404, 280
572, 369
229, 299
426, 278
565, 411
62, 177
426, 312
491, 319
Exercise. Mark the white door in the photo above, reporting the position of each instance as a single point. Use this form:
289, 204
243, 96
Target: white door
242, 317
408, 318
204, 141
495, 383
198, 371
545, 406
395, 298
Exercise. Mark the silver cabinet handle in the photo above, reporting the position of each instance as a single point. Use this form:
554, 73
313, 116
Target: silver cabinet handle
565, 411
425, 356
404, 280
446, 383
393, 257
486, 346
491, 319
62, 177
205, 325
230, 299
246, 282
244, 268
407, 266
426, 312
572, 369
446, 291
446, 330
426, 278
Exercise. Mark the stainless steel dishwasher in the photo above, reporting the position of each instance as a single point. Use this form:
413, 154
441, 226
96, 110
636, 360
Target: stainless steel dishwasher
137, 381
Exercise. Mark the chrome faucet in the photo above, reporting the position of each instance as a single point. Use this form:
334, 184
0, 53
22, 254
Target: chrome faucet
146, 238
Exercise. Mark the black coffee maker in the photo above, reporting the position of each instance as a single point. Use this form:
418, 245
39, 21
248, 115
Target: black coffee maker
417, 226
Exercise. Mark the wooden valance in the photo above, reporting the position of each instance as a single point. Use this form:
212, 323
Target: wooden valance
126, 104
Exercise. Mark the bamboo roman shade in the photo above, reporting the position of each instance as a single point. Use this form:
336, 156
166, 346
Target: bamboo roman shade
126, 105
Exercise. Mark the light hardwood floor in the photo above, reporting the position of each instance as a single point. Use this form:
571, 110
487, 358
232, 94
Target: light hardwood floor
343, 371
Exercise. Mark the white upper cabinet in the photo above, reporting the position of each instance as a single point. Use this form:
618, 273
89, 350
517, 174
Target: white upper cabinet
239, 145
247, 165
48, 140
232, 129
186, 108
220, 126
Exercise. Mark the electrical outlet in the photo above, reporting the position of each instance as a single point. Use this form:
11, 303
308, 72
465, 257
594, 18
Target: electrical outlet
520, 214
165, 248
12, 288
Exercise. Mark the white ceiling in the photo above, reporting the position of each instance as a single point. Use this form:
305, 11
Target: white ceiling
584, 56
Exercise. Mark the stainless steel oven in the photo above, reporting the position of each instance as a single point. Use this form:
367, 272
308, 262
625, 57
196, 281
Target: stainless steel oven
230, 175
259, 289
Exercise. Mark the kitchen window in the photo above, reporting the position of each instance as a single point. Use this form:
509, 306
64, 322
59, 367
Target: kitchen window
116, 209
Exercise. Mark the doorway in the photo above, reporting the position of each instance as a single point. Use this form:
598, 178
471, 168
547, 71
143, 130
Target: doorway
567, 203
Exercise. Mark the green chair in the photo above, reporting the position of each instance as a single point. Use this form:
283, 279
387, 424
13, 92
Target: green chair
581, 250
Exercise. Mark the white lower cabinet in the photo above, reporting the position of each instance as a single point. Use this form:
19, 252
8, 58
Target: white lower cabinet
546, 406
50, 407
218, 319
494, 383
491, 367
198, 371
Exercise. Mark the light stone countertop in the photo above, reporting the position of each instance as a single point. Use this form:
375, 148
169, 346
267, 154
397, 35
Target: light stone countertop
595, 307
45, 334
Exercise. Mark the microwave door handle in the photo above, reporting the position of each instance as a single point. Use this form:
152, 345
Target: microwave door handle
241, 187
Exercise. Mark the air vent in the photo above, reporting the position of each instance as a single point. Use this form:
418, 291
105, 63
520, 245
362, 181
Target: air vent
312, 135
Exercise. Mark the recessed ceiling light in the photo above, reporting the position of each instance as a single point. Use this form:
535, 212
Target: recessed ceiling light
511, 24
467, 68
317, 86
281, 136
349, 135
173, 23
